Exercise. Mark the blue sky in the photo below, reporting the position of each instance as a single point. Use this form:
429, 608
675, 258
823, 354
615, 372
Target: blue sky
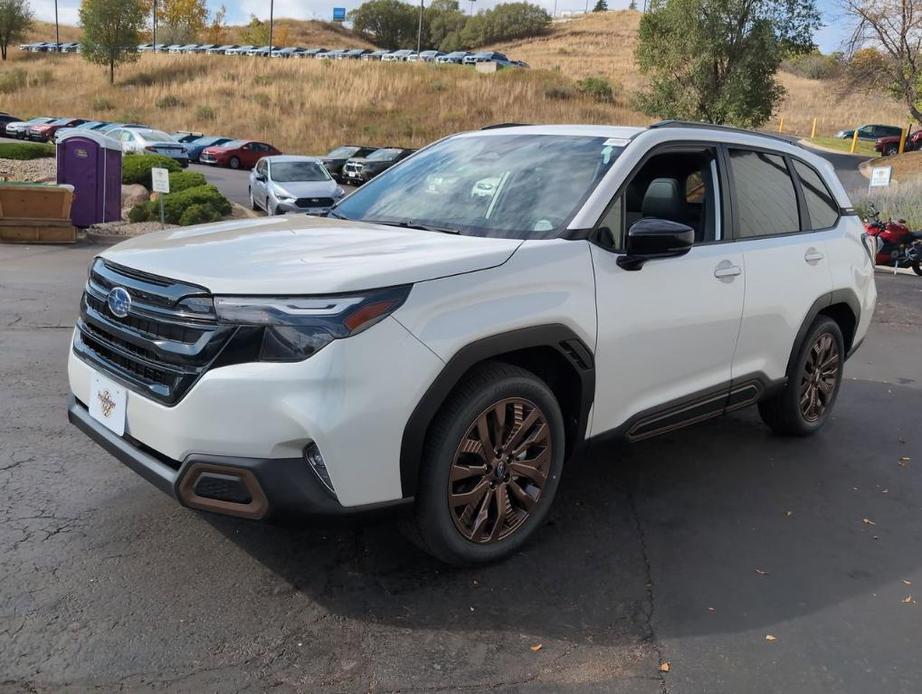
829, 38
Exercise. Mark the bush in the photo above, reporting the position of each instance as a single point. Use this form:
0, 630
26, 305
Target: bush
101, 103
199, 214
26, 150
168, 101
558, 93
597, 88
136, 168
814, 66
204, 112
182, 180
139, 213
176, 204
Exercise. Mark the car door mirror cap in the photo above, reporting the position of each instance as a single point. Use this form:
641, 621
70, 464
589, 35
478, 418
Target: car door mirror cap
652, 238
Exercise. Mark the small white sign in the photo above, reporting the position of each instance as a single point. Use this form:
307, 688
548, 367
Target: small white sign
880, 176
161, 180
107, 404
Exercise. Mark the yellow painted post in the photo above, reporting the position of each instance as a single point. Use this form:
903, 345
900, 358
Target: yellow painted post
903, 140
813, 130
854, 141
781, 125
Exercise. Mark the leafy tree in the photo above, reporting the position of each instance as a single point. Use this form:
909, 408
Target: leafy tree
867, 70
217, 30
388, 23
633, 5
514, 20
600, 6
442, 19
180, 21
256, 32
715, 60
111, 32
15, 22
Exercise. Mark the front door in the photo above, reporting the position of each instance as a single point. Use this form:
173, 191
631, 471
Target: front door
667, 332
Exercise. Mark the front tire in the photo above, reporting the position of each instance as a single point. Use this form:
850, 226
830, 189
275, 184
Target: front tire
234, 163
891, 150
813, 383
917, 268
490, 468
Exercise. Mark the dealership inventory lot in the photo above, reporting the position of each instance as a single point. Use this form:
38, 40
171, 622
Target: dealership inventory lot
690, 549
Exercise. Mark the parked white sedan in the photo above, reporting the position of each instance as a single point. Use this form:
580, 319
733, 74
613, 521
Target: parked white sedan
149, 141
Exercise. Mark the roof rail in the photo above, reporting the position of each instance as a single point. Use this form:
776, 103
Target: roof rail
502, 125
726, 128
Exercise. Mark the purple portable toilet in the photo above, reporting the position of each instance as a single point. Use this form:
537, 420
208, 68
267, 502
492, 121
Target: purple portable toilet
92, 164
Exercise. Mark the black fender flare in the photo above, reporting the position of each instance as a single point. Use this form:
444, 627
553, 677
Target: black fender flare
837, 296
555, 336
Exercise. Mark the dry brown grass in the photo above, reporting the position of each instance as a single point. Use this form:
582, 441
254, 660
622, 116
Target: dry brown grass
309, 34
310, 105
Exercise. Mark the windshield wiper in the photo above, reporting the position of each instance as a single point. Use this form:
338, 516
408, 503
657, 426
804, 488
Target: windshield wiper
409, 224
331, 213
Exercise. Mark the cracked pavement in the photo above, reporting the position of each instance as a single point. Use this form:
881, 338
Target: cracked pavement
690, 549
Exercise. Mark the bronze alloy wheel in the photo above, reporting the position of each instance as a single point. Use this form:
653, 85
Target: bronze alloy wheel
820, 374
499, 470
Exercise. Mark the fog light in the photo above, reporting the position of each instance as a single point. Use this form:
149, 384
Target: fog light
314, 458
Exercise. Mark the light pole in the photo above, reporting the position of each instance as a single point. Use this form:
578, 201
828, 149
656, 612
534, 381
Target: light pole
419, 31
472, 7
271, 23
153, 19
57, 35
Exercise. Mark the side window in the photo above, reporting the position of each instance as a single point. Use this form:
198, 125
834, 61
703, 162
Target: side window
765, 196
866, 131
821, 205
681, 186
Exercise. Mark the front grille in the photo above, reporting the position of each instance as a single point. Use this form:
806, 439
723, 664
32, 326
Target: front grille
314, 202
167, 340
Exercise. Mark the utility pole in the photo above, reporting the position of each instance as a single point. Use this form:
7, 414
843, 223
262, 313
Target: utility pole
271, 23
57, 35
419, 31
472, 8
153, 19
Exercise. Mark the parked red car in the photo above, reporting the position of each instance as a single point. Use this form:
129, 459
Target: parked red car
237, 154
45, 131
888, 146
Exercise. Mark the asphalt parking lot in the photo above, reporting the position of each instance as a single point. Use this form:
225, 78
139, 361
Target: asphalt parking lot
691, 549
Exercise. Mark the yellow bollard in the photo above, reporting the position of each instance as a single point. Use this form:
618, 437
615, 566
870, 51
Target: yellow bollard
781, 125
854, 141
903, 140
813, 130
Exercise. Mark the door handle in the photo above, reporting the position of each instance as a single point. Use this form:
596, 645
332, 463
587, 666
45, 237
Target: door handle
727, 269
813, 256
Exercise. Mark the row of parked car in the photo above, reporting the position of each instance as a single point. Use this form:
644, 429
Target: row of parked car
400, 56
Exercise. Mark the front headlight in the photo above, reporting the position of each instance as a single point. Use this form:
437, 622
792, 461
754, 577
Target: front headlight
295, 328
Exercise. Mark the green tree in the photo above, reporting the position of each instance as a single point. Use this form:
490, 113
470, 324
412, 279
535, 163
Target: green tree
387, 23
506, 22
716, 60
442, 19
600, 6
256, 32
111, 32
15, 22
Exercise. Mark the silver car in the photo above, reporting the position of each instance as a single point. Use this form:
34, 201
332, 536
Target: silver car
149, 141
286, 183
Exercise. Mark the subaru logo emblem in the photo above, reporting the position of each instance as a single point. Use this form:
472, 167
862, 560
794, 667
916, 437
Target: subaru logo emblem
119, 302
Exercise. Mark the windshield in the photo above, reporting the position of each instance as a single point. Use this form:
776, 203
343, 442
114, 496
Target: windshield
291, 171
342, 152
383, 154
501, 185
233, 144
155, 135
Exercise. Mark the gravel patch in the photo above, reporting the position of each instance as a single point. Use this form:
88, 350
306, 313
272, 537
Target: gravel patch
30, 170
125, 229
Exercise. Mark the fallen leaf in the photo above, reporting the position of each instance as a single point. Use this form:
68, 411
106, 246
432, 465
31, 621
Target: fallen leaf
770, 637
868, 521
664, 666
761, 573
908, 599
904, 461
789, 513
908, 583
711, 609
537, 647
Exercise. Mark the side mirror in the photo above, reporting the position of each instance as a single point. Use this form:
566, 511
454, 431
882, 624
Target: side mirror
260, 177
652, 238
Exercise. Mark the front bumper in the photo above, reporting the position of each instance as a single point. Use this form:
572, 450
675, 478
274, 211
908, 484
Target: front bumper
253, 488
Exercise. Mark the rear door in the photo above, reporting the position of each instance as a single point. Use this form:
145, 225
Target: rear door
784, 256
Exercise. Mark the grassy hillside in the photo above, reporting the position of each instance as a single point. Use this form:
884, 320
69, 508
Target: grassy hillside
44, 31
603, 43
309, 34
309, 105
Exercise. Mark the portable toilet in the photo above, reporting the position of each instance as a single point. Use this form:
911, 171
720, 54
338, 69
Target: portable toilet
92, 164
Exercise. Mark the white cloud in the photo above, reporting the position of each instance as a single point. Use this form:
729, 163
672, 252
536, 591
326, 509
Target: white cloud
67, 10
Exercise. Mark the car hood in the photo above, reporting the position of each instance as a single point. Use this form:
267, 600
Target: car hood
307, 189
299, 254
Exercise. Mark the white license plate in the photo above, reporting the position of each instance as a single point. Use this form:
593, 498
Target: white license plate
352, 174
316, 210
108, 402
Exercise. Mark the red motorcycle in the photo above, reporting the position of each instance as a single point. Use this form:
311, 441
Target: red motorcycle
896, 245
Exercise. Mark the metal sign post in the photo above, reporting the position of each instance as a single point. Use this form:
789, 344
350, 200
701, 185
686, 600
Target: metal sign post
160, 180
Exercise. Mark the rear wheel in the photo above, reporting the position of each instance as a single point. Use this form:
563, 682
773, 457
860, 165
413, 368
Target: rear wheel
491, 466
234, 163
917, 267
813, 383
890, 150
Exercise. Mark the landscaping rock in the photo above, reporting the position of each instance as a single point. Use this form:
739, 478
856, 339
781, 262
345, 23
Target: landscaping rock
133, 194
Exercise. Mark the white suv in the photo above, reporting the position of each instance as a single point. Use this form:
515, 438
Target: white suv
456, 330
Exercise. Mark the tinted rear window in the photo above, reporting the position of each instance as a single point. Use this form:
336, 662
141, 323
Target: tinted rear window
765, 194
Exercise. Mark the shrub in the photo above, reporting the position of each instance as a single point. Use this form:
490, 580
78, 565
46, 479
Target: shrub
559, 93
814, 66
101, 103
199, 214
136, 168
176, 204
204, 112
25, 150
139, 213
181, 180
597, 88
169, 101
